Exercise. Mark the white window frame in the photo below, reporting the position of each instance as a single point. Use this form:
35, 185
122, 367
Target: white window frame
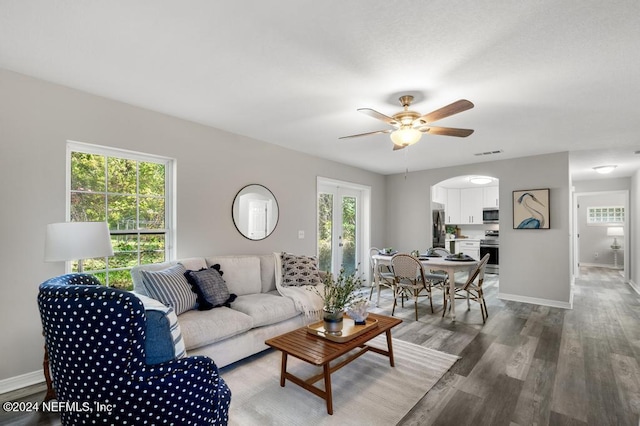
170, 187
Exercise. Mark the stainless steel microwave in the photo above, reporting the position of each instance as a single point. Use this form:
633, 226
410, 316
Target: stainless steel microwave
490, 216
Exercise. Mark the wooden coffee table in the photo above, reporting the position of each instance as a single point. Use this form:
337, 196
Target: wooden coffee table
319, 351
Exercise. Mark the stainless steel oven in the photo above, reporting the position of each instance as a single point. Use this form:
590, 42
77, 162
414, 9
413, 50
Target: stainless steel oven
491, 244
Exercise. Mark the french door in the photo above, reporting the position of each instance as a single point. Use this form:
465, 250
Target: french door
339, 227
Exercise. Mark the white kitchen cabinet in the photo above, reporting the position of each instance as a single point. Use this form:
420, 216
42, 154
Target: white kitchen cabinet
491, 197
452, 207
470, 248
438, 194
471, 200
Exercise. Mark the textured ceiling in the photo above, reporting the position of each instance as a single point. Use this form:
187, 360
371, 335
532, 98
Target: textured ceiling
545, 76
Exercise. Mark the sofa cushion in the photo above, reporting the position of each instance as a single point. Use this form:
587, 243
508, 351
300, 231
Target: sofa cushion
170, 287
241, 273
163, 339
298, 270
210, 288
201, 328
265, 308
267, 272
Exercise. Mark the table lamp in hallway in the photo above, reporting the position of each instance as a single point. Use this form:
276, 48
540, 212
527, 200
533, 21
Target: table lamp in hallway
615, 232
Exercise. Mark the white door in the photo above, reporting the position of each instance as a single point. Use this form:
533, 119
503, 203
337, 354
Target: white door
339, 228
258, 219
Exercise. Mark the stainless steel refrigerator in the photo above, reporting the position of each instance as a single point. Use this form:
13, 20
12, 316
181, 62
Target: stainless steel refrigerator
439, 231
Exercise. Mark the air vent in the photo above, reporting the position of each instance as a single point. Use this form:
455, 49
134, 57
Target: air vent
488, 153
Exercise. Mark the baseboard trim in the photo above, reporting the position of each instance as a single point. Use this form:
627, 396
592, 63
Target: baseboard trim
601, 265
21, 381
536, 301
634, 286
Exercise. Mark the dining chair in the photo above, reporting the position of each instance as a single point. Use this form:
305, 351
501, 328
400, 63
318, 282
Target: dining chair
438, 278
384, 273
410, 281
472, 287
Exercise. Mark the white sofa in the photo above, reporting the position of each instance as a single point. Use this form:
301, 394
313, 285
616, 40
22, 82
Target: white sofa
258, 313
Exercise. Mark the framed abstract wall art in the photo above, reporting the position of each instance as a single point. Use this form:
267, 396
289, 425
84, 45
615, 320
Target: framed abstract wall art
531, 209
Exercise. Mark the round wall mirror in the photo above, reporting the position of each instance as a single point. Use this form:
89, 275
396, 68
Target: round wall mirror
255, 212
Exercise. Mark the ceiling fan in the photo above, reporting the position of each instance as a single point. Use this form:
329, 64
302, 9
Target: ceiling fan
408, 126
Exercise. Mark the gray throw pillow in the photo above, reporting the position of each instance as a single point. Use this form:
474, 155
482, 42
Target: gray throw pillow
212, 286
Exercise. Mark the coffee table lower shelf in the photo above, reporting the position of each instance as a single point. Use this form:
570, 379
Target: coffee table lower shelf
319, 351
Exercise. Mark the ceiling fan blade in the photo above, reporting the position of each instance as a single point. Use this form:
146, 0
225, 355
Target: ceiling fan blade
446, 131
366, 134
378, 115
446, 111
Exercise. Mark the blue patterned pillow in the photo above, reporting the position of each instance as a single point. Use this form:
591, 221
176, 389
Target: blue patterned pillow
171, 288
163, 339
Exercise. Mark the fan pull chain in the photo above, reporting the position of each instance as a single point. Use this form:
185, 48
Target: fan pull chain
406, 165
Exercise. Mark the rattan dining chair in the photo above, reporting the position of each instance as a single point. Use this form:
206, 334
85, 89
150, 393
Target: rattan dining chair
384, 273
437, 278
410, 281
471, 289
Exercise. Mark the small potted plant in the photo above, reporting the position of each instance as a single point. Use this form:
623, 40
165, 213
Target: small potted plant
338, 293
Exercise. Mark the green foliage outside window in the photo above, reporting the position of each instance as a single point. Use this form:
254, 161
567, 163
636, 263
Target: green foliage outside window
130, 196
325, 229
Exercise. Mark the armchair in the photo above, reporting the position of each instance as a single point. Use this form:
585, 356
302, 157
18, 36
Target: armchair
95, 339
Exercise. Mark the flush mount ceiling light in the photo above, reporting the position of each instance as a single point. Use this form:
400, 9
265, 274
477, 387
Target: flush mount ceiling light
604, 169
480, 180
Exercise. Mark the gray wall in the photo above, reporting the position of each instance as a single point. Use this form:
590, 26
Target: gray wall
534, 264
36, 120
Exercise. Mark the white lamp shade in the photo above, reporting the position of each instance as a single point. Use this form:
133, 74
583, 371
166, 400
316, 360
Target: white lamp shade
615, 231
77, 240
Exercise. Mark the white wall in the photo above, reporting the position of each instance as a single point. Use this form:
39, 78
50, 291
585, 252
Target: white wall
594, 244
534, 264
633, 266
36, 120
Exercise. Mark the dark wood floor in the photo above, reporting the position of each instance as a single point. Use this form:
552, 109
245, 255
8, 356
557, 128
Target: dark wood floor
528, 365
535, 365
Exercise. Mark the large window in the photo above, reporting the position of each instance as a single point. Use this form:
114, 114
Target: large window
133, 193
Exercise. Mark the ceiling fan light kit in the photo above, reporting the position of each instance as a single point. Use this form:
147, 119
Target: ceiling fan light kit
405, 136
408, 126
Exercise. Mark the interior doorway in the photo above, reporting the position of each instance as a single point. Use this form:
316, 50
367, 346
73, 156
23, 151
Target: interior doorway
601, 231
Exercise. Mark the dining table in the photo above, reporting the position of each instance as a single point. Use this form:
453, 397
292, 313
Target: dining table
448, 265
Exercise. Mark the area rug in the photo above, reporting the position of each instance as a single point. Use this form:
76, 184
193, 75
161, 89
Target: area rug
368, 391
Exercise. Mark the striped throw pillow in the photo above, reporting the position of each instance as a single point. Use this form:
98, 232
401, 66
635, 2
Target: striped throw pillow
170, 287
164, 340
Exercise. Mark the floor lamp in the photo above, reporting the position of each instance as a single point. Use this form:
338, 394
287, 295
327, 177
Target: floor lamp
73, 241
615, 232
